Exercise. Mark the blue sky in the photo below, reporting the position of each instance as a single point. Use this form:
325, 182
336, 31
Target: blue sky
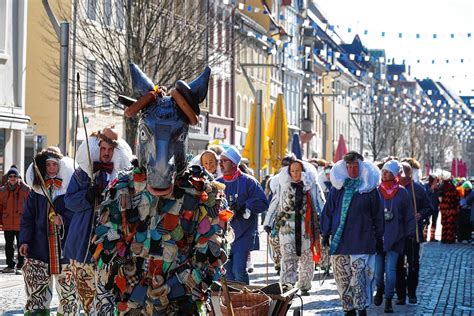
411, 17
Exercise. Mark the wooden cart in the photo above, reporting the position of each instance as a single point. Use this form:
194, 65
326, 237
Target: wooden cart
280, 302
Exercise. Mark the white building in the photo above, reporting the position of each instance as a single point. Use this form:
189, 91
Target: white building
13, 121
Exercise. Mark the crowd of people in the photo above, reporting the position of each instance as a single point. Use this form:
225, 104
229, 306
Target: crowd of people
365, 220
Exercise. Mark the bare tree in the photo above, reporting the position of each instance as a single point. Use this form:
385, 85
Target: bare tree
167, 39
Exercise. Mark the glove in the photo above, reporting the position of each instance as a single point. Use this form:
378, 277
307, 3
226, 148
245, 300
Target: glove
268, 229
238, 209
92, 194
379, 246
325, 241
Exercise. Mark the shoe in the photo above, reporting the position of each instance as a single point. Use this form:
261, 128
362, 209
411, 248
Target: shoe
388, 306
304, 293
378, 298
363, 312
352, 312
250, 270
412, 300
400, 301
18, 272
8, 270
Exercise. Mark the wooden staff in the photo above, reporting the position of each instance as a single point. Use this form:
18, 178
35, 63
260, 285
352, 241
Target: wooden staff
268, 244
414, 205
225, 289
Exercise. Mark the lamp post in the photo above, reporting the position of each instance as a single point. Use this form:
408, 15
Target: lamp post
62, 33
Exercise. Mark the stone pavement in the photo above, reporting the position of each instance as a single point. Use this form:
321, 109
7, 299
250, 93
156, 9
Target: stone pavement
446, 284
445, 287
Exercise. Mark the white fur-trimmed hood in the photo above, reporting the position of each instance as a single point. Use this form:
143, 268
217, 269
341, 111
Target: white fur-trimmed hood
308, 176
66, 169
368, 173
121, 158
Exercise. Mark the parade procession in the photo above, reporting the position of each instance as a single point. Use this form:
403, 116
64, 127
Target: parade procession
236, 157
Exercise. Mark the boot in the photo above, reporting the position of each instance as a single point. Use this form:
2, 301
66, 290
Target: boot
363, 312
388, 306
378, 297
352, 312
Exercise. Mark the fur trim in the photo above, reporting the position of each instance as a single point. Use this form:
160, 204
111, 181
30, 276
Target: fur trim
309, 176
122, 155
66, 170
368, 173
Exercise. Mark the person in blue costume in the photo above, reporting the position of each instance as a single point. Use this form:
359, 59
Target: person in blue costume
399, 225
108, 155
246, 199
354, 221
43, 229
407, 274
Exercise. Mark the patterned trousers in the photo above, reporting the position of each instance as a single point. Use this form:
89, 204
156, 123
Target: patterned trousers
94, 298
275, 250
290, 273
39, 289
354, 275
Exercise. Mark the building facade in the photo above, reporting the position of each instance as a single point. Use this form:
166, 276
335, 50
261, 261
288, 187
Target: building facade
13, 121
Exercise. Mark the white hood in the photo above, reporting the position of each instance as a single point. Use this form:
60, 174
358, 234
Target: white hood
121, 158
368, 173
66, 169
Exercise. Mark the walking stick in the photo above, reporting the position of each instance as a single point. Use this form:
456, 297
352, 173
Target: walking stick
225, 289
414, 205
268, 245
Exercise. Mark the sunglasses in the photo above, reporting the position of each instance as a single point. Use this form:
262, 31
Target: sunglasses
12, 176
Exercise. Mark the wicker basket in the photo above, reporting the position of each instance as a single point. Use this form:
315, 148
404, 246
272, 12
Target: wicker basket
248, 304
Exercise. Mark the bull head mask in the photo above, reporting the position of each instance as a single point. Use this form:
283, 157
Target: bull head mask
163, 125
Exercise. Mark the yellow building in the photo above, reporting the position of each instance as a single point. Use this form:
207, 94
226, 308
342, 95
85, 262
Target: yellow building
42, 80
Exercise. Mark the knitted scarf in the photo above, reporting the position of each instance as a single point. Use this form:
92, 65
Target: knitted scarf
350, 188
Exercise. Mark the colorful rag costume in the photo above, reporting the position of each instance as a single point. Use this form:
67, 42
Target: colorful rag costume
45, 260
449, 208
159, 256
359, 214
91, 293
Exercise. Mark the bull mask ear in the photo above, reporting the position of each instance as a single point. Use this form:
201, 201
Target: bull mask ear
140, 82
196, 91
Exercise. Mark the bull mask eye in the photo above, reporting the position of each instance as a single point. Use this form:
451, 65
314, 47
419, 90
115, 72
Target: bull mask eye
181, 137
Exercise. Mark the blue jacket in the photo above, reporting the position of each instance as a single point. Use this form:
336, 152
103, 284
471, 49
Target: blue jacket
433, 196
364, 222
402, 224
250, 195
80, 228
423, 206
34, 229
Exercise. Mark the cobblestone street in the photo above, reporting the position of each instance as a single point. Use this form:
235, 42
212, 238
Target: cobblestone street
446, 284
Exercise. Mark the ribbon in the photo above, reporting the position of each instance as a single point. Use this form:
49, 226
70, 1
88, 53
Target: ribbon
54, 183
103, 166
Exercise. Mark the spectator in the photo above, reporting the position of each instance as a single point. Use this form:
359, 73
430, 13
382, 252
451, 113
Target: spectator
13, 196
